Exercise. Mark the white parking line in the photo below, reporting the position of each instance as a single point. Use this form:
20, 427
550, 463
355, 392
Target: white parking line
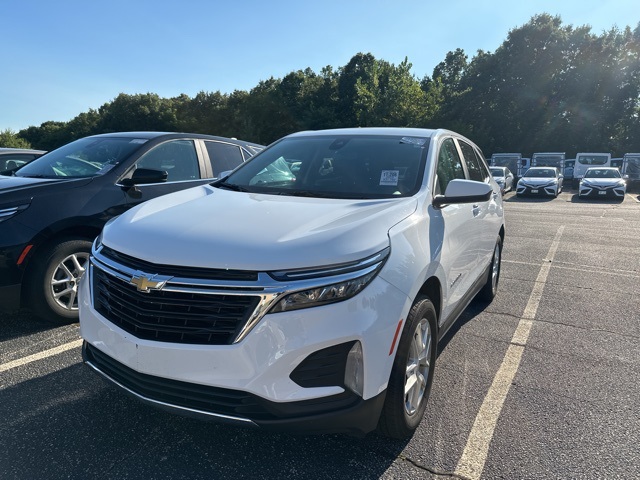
39, 356
474, 456
635, 199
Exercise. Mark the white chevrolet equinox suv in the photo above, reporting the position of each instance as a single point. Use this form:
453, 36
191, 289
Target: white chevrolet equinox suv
304, 291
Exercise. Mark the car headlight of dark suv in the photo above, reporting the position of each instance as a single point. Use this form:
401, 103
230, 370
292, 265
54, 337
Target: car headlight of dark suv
351, 278
6, 212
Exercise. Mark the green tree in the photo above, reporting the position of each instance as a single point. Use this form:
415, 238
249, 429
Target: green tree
48, 136
137, 113
10, 139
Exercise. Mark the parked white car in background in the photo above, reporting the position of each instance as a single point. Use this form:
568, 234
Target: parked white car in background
309, 300
604, 182
540, 181
503, 177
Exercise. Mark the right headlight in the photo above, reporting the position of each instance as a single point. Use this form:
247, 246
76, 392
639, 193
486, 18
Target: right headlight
351, 278
7, 212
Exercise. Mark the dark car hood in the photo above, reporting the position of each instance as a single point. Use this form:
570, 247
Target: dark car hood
16, 184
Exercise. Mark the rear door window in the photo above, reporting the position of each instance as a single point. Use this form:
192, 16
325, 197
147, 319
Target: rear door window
223, 156
475, 166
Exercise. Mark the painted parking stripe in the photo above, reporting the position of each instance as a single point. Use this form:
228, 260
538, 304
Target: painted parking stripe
39, 356
474, 456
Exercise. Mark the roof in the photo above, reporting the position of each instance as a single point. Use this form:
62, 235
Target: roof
20, 150
169, 135
391, 131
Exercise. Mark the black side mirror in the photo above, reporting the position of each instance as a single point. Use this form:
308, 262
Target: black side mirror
142, 176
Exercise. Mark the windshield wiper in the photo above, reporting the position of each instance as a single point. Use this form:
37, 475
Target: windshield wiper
230, 186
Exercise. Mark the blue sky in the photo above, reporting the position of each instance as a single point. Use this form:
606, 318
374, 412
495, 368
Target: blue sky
61, 58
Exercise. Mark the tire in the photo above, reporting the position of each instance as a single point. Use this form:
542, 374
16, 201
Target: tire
489, 290
53, 286
412, 370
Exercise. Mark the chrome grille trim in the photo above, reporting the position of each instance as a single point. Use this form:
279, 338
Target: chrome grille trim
267, 289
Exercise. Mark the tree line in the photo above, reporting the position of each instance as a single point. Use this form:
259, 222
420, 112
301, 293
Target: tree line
547, 87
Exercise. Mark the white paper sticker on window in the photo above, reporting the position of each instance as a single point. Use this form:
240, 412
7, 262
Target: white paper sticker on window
389, 177
138, 140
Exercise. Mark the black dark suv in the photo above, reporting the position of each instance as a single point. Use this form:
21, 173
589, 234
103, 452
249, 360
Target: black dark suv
53, 207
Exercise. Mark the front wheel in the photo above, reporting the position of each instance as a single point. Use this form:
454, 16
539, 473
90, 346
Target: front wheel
412, 372
54, 284
490, 288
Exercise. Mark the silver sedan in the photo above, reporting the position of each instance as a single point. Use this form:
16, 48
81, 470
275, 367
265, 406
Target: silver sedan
503, 177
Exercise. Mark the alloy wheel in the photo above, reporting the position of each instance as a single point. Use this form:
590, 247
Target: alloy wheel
418, 367
64, 282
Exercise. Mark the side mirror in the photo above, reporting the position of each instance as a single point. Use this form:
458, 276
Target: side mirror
142, 176
463, 191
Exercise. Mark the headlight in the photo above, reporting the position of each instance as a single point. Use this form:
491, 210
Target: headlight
8, 212
350, 279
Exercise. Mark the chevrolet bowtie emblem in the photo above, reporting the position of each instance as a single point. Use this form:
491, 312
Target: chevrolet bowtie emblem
146, 283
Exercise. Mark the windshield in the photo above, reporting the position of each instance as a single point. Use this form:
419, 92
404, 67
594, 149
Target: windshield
335, 166
602, 173
497, 172
541, 173
87, 157
593, 159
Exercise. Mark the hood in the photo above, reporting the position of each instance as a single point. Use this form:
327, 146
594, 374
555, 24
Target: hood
215, 228
17, 184
537, 180
603, 182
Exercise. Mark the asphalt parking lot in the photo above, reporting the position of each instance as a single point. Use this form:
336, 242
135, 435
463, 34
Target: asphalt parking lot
542, 383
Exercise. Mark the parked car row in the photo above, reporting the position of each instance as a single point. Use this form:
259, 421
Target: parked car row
600, 182
573, 170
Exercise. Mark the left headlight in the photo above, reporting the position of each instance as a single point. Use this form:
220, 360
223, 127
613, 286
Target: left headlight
348, 280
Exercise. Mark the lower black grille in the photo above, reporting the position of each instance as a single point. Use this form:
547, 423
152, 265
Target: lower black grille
215, 400
324, 368
192, 318
190, 395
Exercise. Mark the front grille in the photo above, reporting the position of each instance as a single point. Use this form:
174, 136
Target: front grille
166, 316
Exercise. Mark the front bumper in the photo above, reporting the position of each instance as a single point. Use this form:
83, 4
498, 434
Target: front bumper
602, 191
259, 368
10, 297
341, 413
14, 244
535, 190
